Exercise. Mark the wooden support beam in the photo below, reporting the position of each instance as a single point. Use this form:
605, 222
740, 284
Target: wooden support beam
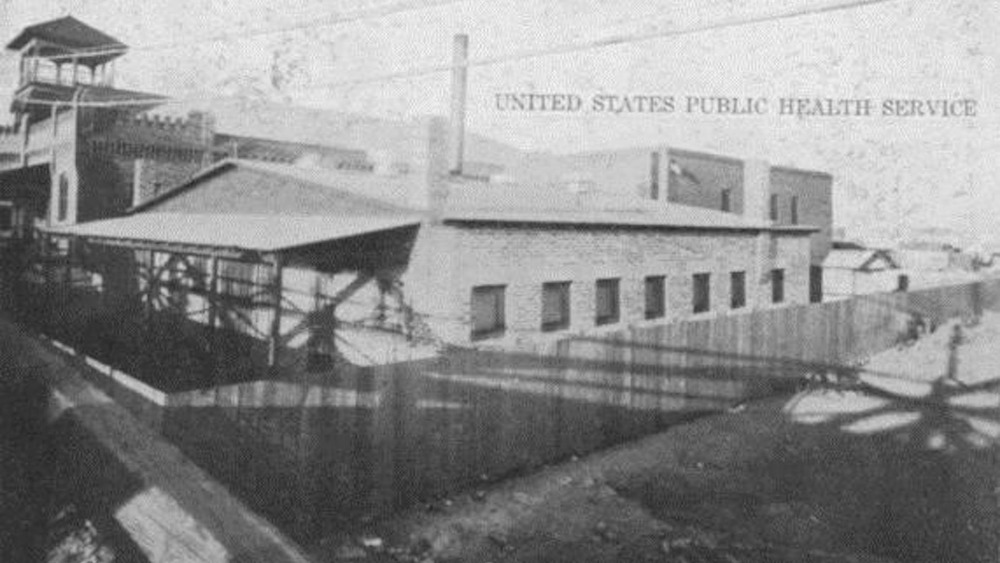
151, 285
46, 252
341, 296
67, 277
213, 292
211, 296
176, 248
274, 338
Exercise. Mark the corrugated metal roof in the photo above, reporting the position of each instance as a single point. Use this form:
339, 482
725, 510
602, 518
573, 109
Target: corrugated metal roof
321, 187
262, 233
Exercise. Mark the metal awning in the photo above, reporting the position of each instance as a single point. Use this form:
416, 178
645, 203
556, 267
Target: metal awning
228, 234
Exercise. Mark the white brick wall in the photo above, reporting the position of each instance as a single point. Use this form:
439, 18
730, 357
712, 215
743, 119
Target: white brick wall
448, 261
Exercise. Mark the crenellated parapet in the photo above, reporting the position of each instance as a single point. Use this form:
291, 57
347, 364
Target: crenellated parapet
192, 129
195, 130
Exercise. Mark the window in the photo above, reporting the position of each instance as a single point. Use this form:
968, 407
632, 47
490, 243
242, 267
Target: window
701, 298
737, 290
903, 282
607, 301
654, 175
725, 204
815, 284
63, 208
487, 311
6, 217
777, 285
794, 210
774, 207
555, 306
655, 297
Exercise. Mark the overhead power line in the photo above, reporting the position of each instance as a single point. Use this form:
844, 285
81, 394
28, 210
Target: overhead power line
320, 21
527, 54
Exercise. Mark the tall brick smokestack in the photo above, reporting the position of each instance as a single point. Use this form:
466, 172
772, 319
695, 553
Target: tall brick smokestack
460, 60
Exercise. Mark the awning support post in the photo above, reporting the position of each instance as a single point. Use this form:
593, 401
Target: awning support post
274, 340
213, 311
151, 285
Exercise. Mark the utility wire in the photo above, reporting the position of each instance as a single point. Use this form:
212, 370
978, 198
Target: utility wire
528, 54
329, 20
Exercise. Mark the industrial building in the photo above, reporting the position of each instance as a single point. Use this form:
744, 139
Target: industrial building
359, 241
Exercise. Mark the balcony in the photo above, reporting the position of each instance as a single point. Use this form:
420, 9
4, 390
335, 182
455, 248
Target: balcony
40, 70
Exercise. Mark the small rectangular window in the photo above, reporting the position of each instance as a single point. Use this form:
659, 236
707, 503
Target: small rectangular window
6, 217
607, 302
737, 290
815, 284
702, 293
725, 204
774, 207
794, 210
777, 285
488, 311
655, 297
555, 306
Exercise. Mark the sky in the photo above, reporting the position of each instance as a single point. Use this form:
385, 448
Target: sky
893, 175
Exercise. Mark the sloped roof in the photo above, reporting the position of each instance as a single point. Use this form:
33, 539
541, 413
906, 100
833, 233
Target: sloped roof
314, 191
66, 31
849, 259
327, 192
261, 233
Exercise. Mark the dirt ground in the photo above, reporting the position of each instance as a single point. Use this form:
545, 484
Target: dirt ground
898, 465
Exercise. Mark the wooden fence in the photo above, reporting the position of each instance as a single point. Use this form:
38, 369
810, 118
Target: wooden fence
383, 437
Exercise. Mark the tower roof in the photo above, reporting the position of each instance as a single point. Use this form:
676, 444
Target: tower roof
66, 32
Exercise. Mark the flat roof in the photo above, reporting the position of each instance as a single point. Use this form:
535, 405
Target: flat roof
616, 218
539, 204
241, 233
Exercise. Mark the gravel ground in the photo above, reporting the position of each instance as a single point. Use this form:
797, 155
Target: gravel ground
901, 466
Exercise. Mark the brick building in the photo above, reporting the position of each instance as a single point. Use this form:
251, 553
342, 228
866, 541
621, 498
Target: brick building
72, 156
414, 226
467, 260
751, 188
